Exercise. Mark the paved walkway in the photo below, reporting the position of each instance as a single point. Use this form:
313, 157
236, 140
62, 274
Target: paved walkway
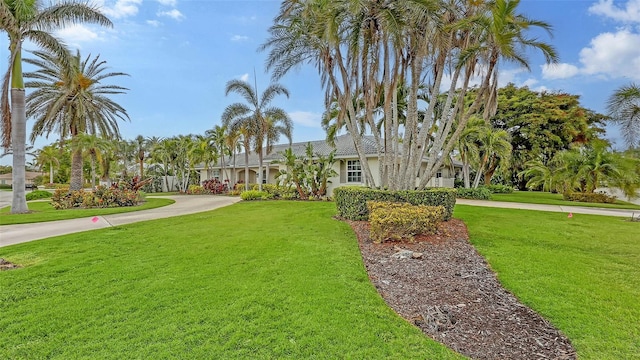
16, 234
553, 208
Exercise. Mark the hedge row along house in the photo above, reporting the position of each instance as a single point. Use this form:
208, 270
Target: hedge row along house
347, 165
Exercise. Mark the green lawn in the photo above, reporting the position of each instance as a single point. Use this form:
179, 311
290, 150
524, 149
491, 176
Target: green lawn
582, 274
538, 197
43, 211
256, 280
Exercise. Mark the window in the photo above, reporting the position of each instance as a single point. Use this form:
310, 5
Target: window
354, 171
438, 175
216, 174
264, 176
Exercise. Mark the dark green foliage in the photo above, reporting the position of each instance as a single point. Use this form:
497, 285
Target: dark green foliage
499, 189
38, 194
480, 193
280, 192
589, 197
351, 201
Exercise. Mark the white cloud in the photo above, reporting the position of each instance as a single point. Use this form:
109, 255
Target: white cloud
306, 118
616, 55
171, 3
119, 9
629, 14
154, 23
529, 82
76, 34
173, 13
239, 38
244, 77
559, 71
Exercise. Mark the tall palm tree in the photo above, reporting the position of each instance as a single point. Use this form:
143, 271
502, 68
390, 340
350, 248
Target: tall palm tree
72, 99
27, 20
48, 155
255, 118
125, 153
624, 108
468, 147
163, 153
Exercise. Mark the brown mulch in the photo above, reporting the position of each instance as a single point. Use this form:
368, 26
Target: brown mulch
446, 288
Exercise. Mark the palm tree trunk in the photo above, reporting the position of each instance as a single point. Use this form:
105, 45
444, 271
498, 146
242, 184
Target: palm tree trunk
93, 172
50, 172
260, 170
141, 168
18, 144
246, 168
76, 170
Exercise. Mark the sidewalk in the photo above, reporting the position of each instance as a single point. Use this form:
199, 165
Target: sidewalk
553, 208
16, 234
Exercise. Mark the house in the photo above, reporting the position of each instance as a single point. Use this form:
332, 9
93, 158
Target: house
6, 179
347, 164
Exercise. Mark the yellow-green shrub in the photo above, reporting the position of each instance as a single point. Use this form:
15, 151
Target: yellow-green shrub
397, 221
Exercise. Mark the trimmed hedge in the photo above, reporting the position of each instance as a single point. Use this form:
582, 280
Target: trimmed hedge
480, 193
351, 201
255, 195
500, 189
589, 197
102, 197
38, 194
397, 221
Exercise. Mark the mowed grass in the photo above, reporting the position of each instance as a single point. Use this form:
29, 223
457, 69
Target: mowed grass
581, 273
539, 197
43, 211
261, 280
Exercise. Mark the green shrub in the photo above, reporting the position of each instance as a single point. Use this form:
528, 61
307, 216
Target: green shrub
102, 197
38, 194
5, 186
280, 192
499, 189
589, 197
397, 221
351, 201
255, 195
480, 193
195, 190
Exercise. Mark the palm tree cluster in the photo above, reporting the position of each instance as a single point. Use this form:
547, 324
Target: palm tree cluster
586, 168
366, 50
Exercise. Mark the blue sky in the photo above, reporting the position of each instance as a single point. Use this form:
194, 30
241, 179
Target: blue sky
181, 53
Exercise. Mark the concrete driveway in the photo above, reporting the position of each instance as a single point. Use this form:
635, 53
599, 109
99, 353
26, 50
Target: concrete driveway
16, 234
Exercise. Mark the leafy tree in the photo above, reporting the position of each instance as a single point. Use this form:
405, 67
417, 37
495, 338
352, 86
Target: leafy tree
495, 149
27, 20
541, 124
93, 147
71, 98
624, 108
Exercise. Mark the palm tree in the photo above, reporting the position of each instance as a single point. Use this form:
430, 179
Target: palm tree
125, 152
258, 120
26, 20
217, 136
468, 147
624, 108
204, 150
48, 155
233, 143
495, 148
92, 146
141, 153
163, 153
71, 99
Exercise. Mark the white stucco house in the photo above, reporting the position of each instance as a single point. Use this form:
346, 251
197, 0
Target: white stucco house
347, 165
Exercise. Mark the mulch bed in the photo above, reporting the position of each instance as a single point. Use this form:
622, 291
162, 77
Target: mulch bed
443, 286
